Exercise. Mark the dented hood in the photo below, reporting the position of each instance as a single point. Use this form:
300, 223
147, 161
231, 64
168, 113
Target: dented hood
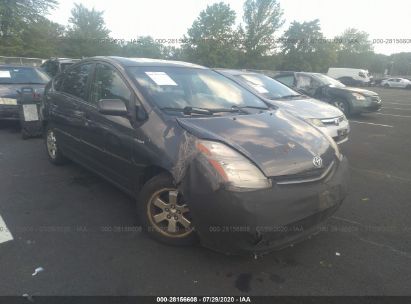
277, 142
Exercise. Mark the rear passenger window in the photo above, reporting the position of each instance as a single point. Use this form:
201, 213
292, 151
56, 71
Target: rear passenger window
109, 85
75, 81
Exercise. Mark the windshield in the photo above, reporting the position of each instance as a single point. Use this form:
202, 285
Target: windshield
22, 75
178, 88
267, 86
326, 80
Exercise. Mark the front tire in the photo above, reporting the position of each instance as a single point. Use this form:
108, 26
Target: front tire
54, 152
163, 212
386, 85
343, 106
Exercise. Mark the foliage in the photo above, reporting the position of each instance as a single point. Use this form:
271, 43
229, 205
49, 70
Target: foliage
86, 34
304, 47
17, 17
354, 41
211, 40
262, 19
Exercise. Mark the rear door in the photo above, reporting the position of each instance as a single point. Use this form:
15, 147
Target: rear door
69, 92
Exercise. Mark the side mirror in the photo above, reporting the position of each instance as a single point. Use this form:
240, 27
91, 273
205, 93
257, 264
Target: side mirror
141, 115
115, 107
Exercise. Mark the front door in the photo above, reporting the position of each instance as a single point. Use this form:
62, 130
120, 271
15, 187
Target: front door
116, 133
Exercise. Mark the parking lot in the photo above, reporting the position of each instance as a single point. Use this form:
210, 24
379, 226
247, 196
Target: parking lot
83, 232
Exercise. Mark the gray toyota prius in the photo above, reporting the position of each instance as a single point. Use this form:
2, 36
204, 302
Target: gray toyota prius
205, 159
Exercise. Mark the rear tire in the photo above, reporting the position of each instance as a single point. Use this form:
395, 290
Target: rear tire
54, 152
164, 214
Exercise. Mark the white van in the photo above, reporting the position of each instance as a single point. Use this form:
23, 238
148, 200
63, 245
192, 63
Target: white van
351, 77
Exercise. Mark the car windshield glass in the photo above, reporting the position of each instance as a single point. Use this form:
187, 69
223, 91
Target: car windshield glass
22, 75
268, 87
179, 88
325, 80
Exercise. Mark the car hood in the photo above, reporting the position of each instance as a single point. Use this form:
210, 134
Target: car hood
10, 90
308, 108
277, 142
355, 90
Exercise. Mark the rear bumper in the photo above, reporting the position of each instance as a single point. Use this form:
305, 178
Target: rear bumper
9, 112
265, 220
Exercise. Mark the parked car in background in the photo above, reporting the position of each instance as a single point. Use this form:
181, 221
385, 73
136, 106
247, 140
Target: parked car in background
199, 152
396, 83
351, 77
348, 99
324, 116
12, 79
53, 66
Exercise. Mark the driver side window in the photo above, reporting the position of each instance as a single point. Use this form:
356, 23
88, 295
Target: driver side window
307, 84
109, 85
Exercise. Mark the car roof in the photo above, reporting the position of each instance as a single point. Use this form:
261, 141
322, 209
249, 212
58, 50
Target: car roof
130, 62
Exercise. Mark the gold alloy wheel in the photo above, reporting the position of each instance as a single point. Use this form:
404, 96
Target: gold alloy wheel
168, 214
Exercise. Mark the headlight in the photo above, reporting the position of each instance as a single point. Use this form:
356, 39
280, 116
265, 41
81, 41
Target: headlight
239, 173
358, 96
316, 122
329, 138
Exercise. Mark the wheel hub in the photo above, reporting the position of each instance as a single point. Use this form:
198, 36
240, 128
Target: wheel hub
51, 144
169, 214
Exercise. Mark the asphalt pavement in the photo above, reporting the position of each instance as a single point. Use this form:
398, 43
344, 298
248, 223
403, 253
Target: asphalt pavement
83, 232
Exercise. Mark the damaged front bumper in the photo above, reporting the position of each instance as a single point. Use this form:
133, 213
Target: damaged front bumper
261, 221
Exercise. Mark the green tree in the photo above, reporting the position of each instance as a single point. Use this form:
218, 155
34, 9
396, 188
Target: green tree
262, 19
305, 48
17, 16
87, 34
211, 38
143, 47
41, 39
400, 64
354, 41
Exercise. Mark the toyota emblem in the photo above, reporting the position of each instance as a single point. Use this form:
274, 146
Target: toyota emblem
318, 162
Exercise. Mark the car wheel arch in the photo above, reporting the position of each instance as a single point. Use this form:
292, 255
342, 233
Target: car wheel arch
151, 171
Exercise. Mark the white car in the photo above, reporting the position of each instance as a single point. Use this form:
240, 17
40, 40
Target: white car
327, 118
396, 83
350, 77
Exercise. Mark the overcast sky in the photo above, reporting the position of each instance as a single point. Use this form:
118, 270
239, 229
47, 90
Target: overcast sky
170, 19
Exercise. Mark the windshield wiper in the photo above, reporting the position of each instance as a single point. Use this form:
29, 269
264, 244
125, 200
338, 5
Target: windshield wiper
190, 110
291, 96
205, 111
254, 107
